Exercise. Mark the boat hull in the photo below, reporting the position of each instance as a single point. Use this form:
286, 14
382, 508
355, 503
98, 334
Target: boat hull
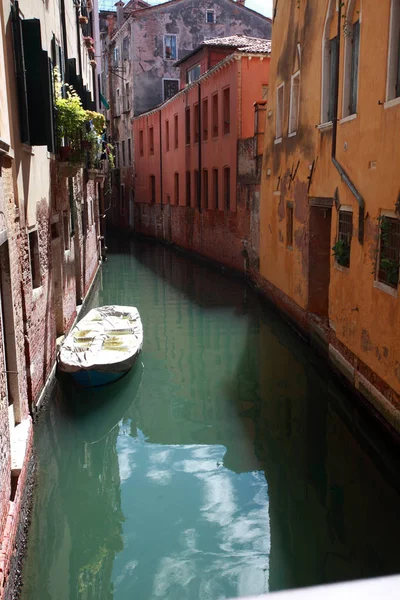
93, 378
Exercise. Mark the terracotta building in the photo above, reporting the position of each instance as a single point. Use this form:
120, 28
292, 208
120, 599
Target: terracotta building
198, 156
330, 228
141, 45
49, 230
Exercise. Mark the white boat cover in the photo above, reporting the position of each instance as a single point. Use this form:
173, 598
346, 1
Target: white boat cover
108, 339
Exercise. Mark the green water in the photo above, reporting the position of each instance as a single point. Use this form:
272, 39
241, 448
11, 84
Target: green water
228, 462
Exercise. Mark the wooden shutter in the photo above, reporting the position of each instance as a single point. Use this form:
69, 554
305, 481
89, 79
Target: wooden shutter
20, 74
333, 79
354, 68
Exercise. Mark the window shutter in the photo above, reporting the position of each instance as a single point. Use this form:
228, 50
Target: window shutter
333, 83
20, 74
354, 68
40, 108
398, 70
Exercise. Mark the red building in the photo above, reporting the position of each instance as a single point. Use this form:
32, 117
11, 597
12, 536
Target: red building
198, 156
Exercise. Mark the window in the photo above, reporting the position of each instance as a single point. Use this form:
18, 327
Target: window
205, 188
34, 259
210, 16
170, 88
167, 135
125, 48
351, 60
176, 131
187, 126
227, 110
264, 91
389, 251
141, 145
197, 187
117, 165
116, 57
193, 74
215, 115
393, 76
215, 188
196, 123
205, 120
151, 140
170, 52
129, 152
123, 153
294, 103
333, 80
127, 98
188, 188
279, 112
227, 188
152, 189
345, 232
117, 103
176, 188
289, 224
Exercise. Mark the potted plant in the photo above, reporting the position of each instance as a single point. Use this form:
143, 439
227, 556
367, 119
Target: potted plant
83, 20
97, 120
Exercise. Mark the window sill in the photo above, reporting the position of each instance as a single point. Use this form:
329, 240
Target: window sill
277, 140
323, 126
391, 103
385, 288
170, 59
292, 134
28, 149
341, 268
348, 118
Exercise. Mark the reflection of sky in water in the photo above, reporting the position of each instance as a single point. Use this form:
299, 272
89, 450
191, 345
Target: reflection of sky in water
193, 529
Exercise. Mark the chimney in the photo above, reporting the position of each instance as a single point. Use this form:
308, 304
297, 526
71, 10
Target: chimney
241, 2
120, 13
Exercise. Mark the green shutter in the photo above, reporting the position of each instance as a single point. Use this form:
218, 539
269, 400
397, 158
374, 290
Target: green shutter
20, 74
354, 68
333, 79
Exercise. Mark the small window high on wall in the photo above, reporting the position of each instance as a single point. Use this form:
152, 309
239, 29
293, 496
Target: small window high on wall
351, 60
279, 112
342, 247
34, 259
294, 103
393, 76
170, 52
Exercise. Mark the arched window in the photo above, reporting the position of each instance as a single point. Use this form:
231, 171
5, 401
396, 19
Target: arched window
351, 30
393, 77
329, 63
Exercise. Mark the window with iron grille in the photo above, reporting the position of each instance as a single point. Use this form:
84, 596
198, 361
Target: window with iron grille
289, 224
389, 251
170, 88
342, 247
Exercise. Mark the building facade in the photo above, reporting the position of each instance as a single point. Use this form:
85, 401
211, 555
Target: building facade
198, 161
330, 241
142, 45
49, 228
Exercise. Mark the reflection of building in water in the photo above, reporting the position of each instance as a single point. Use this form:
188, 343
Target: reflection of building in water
331, 504
80, 496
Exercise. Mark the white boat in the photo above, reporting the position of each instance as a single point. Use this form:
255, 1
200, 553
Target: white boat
103, 346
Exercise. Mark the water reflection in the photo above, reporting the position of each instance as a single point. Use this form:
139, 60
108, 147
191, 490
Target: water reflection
233, 464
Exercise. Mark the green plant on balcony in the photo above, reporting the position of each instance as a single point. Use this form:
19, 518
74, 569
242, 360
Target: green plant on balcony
110, 155
97, 119
70, 119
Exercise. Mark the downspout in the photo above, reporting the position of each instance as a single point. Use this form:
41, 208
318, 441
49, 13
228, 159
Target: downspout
343, 175
199, 149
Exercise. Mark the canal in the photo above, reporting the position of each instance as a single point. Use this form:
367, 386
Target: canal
228, 462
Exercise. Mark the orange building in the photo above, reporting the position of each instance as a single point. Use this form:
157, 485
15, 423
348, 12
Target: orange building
198, 158
330, 205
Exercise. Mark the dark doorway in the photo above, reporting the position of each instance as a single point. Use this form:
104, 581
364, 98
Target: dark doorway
319, 256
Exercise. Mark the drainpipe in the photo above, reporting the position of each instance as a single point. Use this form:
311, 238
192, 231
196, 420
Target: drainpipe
343, 175
199, 150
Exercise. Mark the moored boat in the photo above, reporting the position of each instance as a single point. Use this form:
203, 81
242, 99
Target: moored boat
103, 346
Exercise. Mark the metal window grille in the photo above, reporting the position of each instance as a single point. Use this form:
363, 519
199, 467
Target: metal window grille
389, 254
345, 233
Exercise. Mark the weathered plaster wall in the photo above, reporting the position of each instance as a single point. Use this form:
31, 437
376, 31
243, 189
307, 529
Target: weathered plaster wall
186, 19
